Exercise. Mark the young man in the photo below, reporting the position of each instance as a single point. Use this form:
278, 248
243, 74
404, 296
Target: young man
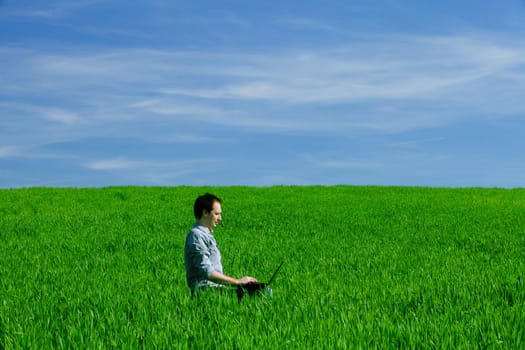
201, 254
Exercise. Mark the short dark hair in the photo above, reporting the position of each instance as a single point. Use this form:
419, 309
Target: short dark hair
204, 202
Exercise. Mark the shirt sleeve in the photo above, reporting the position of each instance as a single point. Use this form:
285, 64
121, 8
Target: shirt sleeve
199, 255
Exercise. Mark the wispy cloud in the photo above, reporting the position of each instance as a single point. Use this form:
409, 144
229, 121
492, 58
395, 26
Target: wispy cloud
115, 164
332, 162
157, 172
62, 117
51, 9
8, 151
294, 89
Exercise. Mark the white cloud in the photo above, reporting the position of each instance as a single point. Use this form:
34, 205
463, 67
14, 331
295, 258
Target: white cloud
338, 162
50, 9
169, 107
114, 164
8, 151
386, 69
289, 90
122, 163
62, 117
157, 172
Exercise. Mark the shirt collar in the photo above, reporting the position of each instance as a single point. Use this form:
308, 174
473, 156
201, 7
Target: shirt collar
203, 228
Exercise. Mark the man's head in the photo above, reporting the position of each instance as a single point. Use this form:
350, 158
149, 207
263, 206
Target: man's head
207, 210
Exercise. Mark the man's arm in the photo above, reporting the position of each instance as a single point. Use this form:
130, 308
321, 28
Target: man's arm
216, 276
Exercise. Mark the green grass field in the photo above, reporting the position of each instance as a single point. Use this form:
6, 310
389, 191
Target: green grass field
365, 267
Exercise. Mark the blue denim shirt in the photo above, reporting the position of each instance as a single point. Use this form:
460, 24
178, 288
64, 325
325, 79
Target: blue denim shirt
201, 257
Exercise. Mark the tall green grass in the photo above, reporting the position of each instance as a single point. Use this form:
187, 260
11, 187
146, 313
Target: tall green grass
365, 267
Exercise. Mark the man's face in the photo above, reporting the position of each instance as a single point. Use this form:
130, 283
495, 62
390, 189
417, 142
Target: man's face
211, 219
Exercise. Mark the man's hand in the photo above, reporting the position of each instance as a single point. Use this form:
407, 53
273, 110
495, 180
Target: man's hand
247, 279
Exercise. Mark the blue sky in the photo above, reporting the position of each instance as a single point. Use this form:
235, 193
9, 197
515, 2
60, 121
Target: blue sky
412, 93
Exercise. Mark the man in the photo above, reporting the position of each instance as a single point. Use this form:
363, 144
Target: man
201, 254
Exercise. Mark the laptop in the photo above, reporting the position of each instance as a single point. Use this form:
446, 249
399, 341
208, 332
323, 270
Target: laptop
255, 288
